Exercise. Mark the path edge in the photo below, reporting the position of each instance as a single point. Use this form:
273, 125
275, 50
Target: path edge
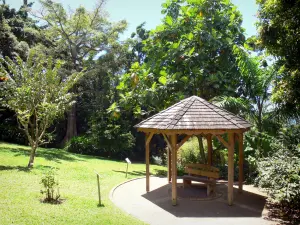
111, 193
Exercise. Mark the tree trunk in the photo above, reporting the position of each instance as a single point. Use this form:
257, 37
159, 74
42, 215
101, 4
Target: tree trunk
259, 126
71, 124
201, 147
32, 155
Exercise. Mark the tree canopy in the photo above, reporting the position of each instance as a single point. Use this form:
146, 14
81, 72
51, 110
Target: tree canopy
279, 27
38, 94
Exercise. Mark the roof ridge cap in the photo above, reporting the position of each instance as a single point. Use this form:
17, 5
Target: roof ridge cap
229, 112
170, 107
183, 107
230, 120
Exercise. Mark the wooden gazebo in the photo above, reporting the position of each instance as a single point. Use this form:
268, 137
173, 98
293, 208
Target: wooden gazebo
196, 116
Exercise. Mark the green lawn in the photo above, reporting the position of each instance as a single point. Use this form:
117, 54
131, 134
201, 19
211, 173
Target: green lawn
20, 188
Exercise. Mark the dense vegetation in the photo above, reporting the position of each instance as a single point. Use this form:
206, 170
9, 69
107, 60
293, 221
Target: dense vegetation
199, 49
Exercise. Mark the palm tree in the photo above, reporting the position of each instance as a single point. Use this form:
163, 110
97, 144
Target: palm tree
253, 97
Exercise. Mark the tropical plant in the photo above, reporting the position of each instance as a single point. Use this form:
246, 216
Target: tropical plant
37, 93
189, 53
278, 29
280, 172
253, 99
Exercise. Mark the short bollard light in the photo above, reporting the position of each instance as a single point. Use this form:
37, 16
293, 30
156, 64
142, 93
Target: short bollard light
128, 162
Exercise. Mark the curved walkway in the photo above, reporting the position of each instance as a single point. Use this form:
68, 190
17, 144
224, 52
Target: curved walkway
155, 207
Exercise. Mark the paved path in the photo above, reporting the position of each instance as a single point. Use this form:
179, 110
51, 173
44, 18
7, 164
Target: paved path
155, 207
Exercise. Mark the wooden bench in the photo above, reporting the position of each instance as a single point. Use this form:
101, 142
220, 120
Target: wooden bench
202, 173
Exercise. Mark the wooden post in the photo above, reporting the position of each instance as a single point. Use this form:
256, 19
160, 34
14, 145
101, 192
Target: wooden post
241, 162
230, 168
169, 165
99, 193
147, 163
174, 169
209, 149
126, 170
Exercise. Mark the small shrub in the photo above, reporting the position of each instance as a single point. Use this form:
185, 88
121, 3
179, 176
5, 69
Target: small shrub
279, 173
160, 173
280, 176
50, 187
189, 152
224, 171
180, 170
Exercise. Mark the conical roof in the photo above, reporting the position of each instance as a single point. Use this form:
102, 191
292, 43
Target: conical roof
194, 113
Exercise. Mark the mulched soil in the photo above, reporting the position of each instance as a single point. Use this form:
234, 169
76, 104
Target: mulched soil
283, 214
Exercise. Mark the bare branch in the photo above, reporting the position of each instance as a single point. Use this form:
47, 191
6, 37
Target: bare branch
77, 25
97, 10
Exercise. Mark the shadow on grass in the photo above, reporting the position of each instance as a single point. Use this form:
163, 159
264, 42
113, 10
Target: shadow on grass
23, 168
51, 154
100, 205
160, 173
133, 173
54, 154
19, 168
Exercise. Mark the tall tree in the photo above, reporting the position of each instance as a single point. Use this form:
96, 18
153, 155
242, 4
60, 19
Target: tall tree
83, 34
37, 93
279, 29
190, 53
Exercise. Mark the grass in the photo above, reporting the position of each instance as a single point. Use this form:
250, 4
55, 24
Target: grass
20, 188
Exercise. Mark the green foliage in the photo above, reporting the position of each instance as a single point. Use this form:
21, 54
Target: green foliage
280, 172
80, 37
189, 53
81, 145
50, 187
11, 133
189, 152
18, 32
81, 33
253, 103
278, 29
37, 93
113, 141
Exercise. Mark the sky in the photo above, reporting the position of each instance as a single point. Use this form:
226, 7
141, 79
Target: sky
136, 12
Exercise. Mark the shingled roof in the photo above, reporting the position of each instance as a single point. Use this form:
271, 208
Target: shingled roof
194, 113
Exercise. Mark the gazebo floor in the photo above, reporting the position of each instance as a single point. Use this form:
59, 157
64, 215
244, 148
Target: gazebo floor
155, 206
196, 192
